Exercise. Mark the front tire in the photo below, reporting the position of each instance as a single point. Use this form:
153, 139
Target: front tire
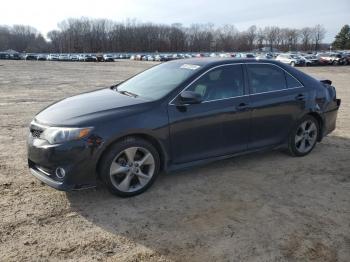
303, 137
130, 167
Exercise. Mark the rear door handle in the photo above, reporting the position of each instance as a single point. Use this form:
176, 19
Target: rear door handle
300, 97
242, 106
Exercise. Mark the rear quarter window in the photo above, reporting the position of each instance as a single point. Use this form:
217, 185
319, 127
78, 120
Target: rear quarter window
265, 78
292, 82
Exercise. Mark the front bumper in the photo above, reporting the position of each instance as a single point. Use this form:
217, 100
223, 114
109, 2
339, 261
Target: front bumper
77, 158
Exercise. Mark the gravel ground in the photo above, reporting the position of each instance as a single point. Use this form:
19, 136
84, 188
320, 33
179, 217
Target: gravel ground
258, 207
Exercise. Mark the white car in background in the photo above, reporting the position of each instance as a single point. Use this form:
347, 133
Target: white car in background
245, 55
108, 58
81, 57
52, 57
63, 57
310, 60
74, 57
290, 59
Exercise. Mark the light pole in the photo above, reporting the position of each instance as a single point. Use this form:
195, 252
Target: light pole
330, 49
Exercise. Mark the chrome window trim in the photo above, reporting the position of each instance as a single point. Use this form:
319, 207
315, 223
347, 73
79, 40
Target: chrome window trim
210, 69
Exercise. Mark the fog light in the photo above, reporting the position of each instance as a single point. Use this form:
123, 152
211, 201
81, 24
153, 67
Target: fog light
60, 172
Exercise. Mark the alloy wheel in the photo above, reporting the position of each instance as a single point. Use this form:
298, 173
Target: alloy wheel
132, 169
306, 136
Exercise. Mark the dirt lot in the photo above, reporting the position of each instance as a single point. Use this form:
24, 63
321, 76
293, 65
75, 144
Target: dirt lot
259, 207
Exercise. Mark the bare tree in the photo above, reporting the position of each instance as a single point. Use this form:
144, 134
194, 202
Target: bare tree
271, 35
318, 34
251, 36
306, 38
5, 36
260, 38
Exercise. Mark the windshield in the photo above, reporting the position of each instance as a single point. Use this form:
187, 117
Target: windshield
158, 81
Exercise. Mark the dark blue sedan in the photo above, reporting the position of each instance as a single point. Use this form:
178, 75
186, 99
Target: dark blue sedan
175, 115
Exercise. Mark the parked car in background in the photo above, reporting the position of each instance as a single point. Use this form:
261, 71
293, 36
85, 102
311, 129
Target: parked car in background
4, 55
310, 60
99, 57
245, 55
265, 56
74, 57
346, 58
159, 58
138, 57
224, 55
41, 57
63, 57
31, 57
290, 59
249, 55
81, 57
90, 58
15, 56
176, 115
150, 58
52, 57
167, 57
123, 56
108, 58
332, 59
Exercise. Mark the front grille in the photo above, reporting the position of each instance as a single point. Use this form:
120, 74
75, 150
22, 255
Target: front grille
36, 133
36, 130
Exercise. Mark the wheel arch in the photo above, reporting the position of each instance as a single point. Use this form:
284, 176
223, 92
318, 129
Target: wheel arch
320, 122
155, 142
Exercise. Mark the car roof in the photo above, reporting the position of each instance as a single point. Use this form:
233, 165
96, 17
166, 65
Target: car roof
214, 61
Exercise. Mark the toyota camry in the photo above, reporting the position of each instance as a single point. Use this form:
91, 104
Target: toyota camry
176, 115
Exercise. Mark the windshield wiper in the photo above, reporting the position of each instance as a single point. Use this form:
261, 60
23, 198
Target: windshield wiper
124, 92
127, 93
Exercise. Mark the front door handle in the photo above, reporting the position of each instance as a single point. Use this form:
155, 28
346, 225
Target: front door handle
242, 106
300, 97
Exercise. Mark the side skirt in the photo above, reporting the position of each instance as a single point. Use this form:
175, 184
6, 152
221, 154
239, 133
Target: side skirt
182, 166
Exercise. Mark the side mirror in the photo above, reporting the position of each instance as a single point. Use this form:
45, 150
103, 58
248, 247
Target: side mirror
189, 97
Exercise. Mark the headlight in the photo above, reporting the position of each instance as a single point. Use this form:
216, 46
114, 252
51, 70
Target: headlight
57, 135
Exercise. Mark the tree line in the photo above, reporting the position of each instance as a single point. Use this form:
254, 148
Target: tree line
22, 38
102, 35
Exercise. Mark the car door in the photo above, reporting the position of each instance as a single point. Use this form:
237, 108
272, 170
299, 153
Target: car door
277, 99
217, 126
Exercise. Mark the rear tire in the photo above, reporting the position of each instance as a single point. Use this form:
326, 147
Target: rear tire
130, 167
303, 136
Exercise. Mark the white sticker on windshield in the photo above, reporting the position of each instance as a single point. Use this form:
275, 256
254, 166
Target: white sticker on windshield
191, 67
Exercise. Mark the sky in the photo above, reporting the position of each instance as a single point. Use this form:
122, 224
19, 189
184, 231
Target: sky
44, 15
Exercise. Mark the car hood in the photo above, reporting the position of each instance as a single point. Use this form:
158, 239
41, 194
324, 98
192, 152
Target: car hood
87, 107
